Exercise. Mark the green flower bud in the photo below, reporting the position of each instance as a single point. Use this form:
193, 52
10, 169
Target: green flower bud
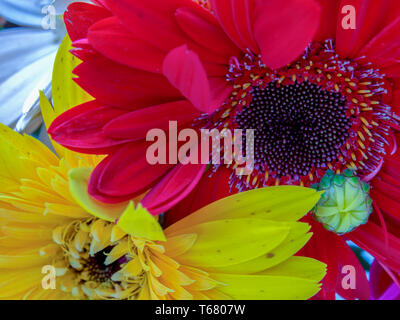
345, 204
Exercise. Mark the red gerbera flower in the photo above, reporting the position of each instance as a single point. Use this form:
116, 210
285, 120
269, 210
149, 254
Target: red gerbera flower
320, 96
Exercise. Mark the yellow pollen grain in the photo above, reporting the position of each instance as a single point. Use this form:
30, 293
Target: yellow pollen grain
361, 135
244, 95
362, 145
364, 121
255, 180
353, 156
266, 176
226, 113
374, 102
311, 177
355, 101
294, 78
337, 88
236, 86
363, 104
347, 79
366, 83
281, 79
319, 71
363, 91
339, 75
246, 85
234, 103
248, 177
277, 182
348, 90
367, 109
330, 166
329, 76
368, 95
363, 154
367, 130
352, 84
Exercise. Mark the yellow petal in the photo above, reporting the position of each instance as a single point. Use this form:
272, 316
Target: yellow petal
295, 240
78, 186
283, 203
66, 93
266, 287
178, 245
228, 242
141, 224
299, 267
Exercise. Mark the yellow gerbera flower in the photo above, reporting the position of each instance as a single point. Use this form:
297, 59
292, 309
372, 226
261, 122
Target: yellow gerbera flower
241, 247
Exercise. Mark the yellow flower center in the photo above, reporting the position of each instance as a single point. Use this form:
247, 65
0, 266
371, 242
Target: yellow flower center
100, 261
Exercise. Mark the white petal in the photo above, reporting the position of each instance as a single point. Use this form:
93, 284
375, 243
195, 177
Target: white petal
23, 46
24, 12
18, 88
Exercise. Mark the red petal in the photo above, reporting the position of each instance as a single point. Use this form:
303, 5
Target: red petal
80, 128
135, 125
174, 187
322, 246
184, 70
372, 17
330, 9
127, 173
152, 20
380, 280
80, 16
384, 49
348, 258
117, 85
235, 17
111, 39
396, 99
202, 27
371, 238
284, 31
212, 187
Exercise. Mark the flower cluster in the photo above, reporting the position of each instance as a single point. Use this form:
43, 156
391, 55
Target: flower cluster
319, 88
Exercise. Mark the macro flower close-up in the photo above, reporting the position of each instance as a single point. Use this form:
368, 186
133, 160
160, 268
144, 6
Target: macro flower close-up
201, 150
121, 252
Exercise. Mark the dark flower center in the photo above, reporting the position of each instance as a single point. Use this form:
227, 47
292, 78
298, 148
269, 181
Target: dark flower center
320, 112
96, 268
297, 126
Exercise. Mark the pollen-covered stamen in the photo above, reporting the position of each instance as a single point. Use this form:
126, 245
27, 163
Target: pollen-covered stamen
297, 127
